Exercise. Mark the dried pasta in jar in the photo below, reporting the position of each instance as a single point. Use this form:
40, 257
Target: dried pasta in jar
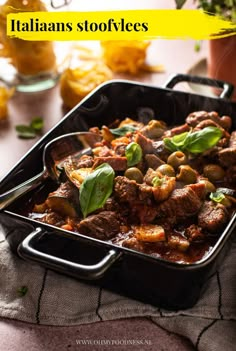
76, 83
125, 55
5, 95
28, 57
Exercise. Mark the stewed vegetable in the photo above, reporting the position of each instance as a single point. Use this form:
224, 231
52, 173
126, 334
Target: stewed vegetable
166, 192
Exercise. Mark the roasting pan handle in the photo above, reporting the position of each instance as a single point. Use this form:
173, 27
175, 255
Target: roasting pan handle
27, 250
179, 78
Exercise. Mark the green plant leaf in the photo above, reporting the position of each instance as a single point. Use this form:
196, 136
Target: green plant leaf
37, 123
22, 291
133, 153
25, 132
180, 139
194, 142
177, 142
202, 140
96, 188
30, 131
217, 196
123, 130
157, 181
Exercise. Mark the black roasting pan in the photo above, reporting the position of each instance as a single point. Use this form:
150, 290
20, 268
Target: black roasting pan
134, 274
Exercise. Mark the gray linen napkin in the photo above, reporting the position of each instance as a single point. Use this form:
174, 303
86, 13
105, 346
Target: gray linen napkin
53, 299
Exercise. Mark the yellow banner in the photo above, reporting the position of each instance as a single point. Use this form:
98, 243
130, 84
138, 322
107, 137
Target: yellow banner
118, 25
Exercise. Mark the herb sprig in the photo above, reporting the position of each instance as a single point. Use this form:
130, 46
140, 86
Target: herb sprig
121, 131
133, 153
96, 188
22, 291
31, 130
194, 142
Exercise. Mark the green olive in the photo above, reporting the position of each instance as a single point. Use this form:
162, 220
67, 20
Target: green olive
213, 172
133, 173
177, 159
167, 170
187, 174
209, 187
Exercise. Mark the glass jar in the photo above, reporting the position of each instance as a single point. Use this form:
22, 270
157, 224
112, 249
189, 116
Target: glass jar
30, 65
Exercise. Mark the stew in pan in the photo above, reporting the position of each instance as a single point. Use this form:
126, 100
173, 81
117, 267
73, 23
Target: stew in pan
166, 192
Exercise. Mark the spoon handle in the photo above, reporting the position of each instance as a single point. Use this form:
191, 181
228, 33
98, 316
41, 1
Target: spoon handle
8, 197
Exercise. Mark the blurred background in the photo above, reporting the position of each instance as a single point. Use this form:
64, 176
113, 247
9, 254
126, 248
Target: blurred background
76, 68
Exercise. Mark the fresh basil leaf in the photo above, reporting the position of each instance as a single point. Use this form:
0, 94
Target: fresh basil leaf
179, 139
217, 196
30, 131
37, 124
170, 145
25, 132
157, 181
194, 142
133, 153
96, 188
177, 142
123, 130
203, 139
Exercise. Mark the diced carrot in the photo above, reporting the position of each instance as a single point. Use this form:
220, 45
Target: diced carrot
66, 227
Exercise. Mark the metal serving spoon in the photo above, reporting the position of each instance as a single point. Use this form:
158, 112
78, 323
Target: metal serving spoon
78, 143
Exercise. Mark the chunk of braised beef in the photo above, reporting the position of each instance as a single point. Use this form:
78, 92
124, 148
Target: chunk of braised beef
125, 190
181, 204
150, 174
111, 205
232, 140
145, 143
160, 150
199, 189
211, 123
65, 190
85, 161
206, 123
153, 161
211, 154
72, 163
143, 214
103, 151
227, 157
231, 174
196, 117
177, 130
226, 122
104, 225
133, 244
52, 218
212, 216
194, 233
145, 193
120, 149
223, 142
118, 163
